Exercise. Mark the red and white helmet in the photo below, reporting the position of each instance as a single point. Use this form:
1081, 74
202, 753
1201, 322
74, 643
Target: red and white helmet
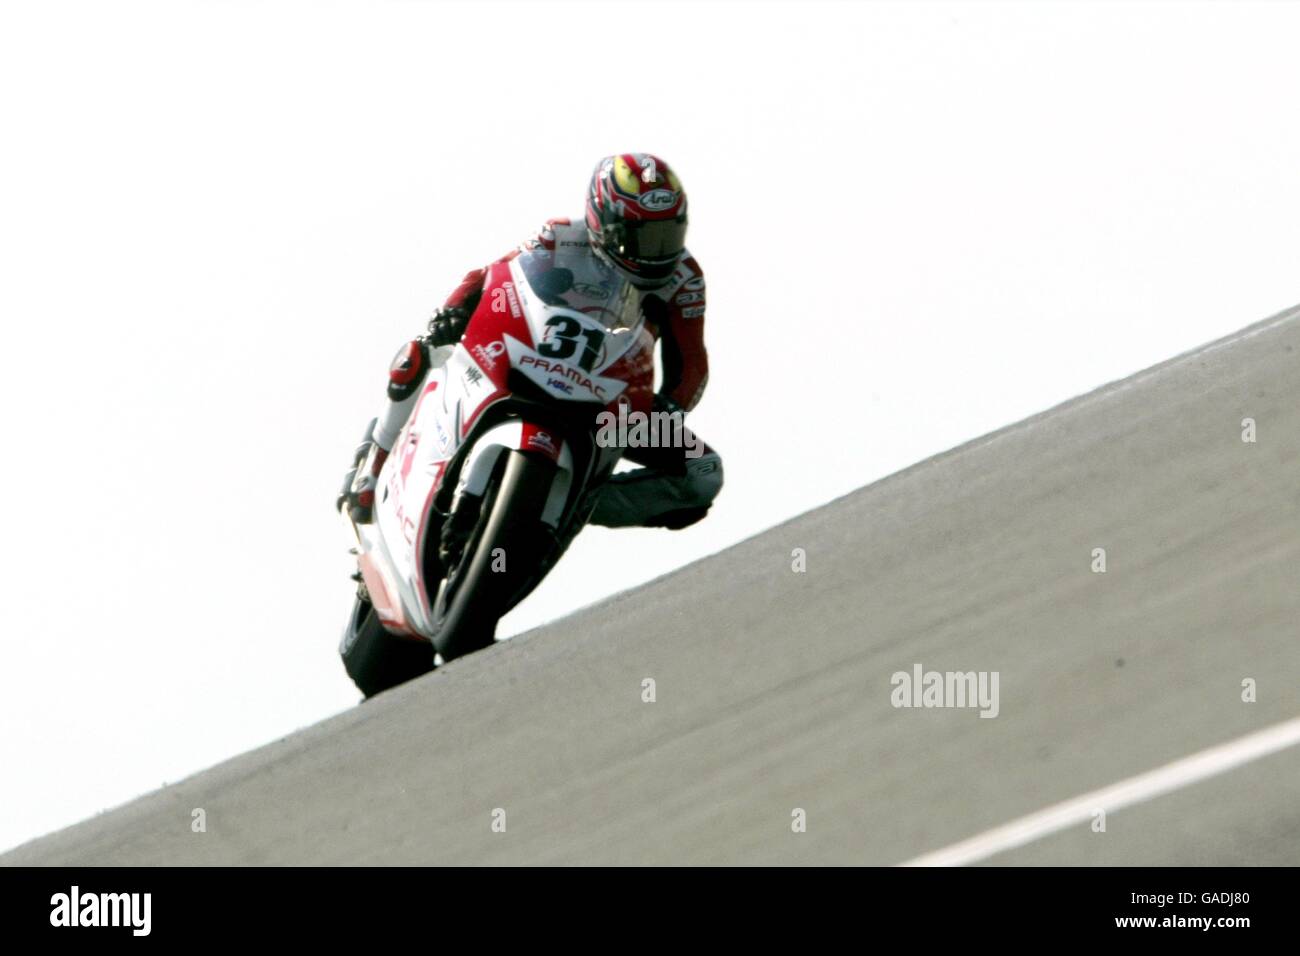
636, 215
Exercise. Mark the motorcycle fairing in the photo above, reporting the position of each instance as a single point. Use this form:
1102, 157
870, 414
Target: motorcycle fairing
578, 337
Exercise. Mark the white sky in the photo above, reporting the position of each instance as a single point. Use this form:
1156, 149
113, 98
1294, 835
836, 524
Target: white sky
219, 220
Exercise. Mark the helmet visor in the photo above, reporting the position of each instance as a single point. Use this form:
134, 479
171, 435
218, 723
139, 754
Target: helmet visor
653, 241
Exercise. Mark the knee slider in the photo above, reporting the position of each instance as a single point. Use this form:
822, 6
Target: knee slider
703, 479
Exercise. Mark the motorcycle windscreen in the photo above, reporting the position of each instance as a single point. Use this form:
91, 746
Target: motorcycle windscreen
578, 280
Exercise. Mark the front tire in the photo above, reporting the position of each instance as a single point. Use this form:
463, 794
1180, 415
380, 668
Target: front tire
377, 660
502, 561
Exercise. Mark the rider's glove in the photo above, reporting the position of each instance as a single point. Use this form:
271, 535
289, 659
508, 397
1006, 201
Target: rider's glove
447, 326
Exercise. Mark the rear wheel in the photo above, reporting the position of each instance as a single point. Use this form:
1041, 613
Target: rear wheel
502, 560
377, 660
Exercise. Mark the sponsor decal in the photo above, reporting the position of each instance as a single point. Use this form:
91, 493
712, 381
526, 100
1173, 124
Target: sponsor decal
512, 299
592, 290
695, 284
694, 312
565, 372
542, 368
543, 441
404, 521
473, 376
686, 298
488, 355
560, 385
440, 433
657, 199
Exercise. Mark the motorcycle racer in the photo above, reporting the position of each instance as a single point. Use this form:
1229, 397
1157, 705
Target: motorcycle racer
635, 223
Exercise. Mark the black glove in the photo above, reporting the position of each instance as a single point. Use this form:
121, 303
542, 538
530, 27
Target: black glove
447, 326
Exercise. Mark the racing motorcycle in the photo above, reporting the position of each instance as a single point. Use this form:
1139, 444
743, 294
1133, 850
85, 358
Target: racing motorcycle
498, 466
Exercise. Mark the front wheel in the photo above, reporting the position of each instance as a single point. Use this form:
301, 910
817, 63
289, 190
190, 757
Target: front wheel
377, 660
502, 561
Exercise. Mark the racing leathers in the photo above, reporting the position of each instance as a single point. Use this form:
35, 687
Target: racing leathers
674, 486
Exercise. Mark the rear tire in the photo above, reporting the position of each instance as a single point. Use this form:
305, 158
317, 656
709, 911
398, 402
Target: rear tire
377, 660
509, 529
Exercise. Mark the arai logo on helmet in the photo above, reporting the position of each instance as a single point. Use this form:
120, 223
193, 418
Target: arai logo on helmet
657, 199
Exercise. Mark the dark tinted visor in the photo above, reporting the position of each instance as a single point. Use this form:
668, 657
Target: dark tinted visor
651, 241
